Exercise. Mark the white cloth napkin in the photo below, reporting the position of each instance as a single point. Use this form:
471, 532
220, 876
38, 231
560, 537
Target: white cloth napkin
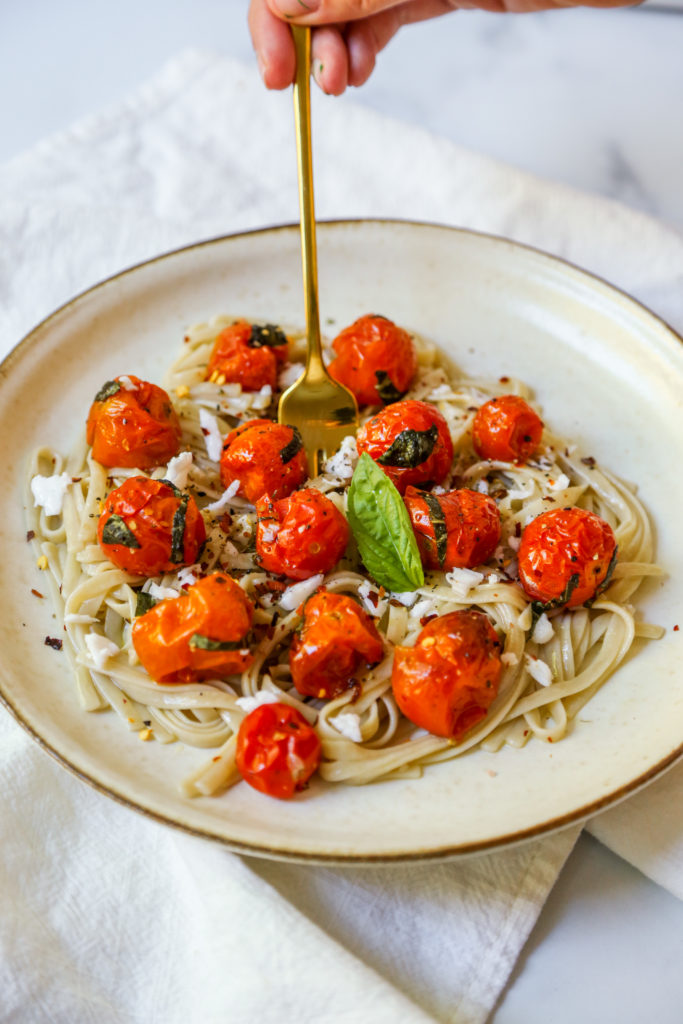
109, 917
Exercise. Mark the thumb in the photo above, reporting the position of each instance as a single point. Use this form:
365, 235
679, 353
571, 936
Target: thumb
324, 12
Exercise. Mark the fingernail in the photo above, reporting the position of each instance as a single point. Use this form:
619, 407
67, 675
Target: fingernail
296, 8
318, 68
261, 66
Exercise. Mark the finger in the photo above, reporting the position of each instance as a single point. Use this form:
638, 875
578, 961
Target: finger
328, 12
273, 44
329, 60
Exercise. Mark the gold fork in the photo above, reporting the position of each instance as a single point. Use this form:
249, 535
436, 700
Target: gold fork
323, 411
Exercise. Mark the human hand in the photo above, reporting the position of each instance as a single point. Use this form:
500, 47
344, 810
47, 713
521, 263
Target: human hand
348, 34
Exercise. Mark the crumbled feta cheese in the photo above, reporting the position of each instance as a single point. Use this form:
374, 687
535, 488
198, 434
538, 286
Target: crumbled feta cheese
178, 470
369, 595
482, 486
100, 649
293, 596
406, 597
213, 438
538, 670
224, 500
48, 492
559, 483
126, 383
463, 580
348, 724
509, 658
248, 704
289, 375
493, 577
543, 630
266, 391
187, 575
343, 462
423, 608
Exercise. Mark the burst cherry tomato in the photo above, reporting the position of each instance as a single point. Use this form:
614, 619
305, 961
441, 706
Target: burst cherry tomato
247, 354
336, 639
506, 429
410, 441
565, 555
375, 360
449, 679
132, 423
266, 458
199, 635
149, 527
301, 535
277, 750
459, 529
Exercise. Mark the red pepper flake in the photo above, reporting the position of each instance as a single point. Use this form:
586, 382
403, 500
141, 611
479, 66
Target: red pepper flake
30, 535
225, 522
676, 628
53, 642
216, 758
427, 618
503, 380
37, 593
76, 479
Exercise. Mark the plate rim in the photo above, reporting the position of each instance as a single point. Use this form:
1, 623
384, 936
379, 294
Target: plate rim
446, 852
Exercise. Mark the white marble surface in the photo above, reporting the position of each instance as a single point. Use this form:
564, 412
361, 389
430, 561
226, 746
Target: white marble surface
590, 98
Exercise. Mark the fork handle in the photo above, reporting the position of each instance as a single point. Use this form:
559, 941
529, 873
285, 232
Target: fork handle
315, 368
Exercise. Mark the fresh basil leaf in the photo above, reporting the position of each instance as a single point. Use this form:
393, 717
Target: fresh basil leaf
292, 447
107, 390
144, 603
538, 607
386, 389
381, 526
178, 531
205, 643
410, 448
438, 521
116, 532
266, 336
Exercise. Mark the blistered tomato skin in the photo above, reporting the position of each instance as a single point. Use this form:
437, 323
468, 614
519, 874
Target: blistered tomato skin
411, 442
459, 529
135, 428
148, 527
266, 458
506, 429
447, 682
375, 360
247, 354
336, 639
277, 750
199, 635
301, 535
566, 551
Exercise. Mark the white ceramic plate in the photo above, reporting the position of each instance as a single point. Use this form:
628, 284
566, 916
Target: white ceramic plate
608, 374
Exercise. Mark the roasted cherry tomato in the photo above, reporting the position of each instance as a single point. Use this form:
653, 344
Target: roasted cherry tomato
199, 635
277, 750
336, 639
410, 441
449, 679
375, 360
132, 423
149, 527
266, 458
247, 354
459, 529
506, 429
565, 555
301, 535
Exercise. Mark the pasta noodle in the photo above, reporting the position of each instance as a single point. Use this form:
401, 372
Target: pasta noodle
550, 671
